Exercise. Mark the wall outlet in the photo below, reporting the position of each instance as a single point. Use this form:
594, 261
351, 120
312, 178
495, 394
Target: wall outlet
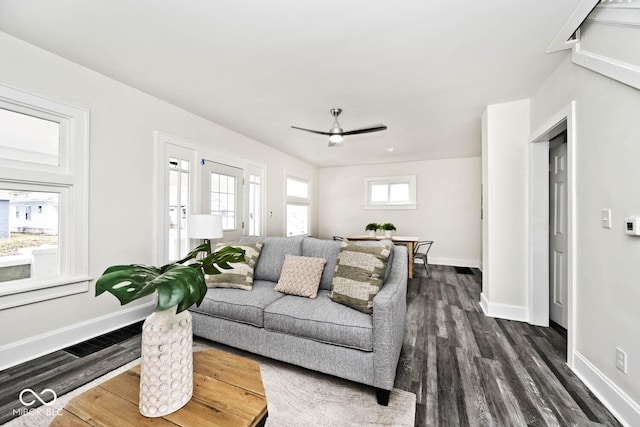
621, 360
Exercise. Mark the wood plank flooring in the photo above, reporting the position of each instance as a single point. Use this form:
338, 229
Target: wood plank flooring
467, 369
61, 371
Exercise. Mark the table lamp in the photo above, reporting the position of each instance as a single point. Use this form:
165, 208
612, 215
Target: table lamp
205, 227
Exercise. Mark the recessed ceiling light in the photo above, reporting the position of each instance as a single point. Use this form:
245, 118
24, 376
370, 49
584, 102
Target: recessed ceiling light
390, 149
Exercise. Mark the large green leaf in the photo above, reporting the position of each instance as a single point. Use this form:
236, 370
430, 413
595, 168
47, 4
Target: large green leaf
176, 284
128, 282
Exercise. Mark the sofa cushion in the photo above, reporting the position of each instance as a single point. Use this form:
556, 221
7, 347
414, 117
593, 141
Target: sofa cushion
300, 275
327, 249
239, 305
359, 275
271, 259
321, 320
241, 275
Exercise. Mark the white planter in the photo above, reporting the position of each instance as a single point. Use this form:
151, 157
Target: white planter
371, 233
388, 234
166, 372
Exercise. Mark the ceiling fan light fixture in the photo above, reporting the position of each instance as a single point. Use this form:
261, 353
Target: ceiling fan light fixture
336, 138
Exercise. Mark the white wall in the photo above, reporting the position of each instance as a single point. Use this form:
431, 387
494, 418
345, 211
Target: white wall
607, 150
505, 138
448, 196
123, 120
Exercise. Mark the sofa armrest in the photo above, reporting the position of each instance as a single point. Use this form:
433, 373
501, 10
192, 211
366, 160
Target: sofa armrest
389, 309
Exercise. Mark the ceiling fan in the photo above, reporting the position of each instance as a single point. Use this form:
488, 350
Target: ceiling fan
336, 134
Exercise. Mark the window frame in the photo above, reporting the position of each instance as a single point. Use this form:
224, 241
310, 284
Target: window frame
369, 182
297, 201
70, 178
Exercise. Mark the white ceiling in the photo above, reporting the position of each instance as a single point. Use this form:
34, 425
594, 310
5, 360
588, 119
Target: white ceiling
424, 68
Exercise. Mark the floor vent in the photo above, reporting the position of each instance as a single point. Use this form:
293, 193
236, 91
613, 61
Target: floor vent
463, 270
103, 341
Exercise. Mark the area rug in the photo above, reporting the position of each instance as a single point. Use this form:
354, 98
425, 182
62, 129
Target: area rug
295, 397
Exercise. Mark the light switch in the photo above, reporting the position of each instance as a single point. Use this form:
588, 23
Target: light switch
606, 218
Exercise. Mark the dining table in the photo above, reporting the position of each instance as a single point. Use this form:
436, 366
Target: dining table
408, 241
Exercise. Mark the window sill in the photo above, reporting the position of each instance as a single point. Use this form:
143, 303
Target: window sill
24, 292
389, 207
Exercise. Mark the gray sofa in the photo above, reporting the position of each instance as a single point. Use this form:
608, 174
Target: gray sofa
317, 334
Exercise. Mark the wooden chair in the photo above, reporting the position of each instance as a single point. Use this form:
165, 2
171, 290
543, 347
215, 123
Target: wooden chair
423, 255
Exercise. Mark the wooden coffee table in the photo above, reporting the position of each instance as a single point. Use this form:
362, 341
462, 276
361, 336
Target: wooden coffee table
227, 391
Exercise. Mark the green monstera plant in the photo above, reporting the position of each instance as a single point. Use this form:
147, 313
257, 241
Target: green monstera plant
176, 283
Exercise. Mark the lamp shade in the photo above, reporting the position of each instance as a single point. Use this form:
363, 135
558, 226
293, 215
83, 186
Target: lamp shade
205, 226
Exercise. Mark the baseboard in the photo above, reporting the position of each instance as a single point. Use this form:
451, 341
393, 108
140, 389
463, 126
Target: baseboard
22, 351
455, 262
625, 409
503, 311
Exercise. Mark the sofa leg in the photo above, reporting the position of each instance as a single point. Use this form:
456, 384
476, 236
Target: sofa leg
383, 396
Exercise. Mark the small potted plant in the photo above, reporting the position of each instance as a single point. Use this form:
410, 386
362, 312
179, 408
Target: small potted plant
388, 229
371, 229
166, 373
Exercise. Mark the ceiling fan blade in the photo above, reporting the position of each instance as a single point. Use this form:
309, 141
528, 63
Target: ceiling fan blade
311, 130
372, 128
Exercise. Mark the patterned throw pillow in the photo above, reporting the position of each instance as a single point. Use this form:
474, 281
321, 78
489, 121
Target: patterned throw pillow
241, 276
301, 276
359, 275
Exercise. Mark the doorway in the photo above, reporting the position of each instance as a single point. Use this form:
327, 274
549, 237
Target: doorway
558, 231
541, 265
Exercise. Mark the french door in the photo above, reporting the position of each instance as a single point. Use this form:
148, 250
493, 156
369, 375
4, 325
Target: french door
222, 194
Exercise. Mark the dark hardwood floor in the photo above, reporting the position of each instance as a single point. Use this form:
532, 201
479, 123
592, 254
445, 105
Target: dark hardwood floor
67, 369
467, 369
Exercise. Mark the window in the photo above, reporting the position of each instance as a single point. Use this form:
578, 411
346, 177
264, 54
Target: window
178, 244
394, 192
29, 139
43, 199
223, 199
297, 208
255, 204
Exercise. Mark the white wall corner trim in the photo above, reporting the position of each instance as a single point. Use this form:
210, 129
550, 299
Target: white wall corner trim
503, 311
21, 351
621, 71
625, 409
456, 262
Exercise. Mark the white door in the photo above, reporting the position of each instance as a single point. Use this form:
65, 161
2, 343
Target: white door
222, 194
558, 230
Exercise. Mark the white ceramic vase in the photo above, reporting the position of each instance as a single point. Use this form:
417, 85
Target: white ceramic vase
166, 372
388, 234
371, 233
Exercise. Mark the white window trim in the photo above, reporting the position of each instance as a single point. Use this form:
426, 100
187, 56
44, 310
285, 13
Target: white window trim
71, 178
298, 201
410, 179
